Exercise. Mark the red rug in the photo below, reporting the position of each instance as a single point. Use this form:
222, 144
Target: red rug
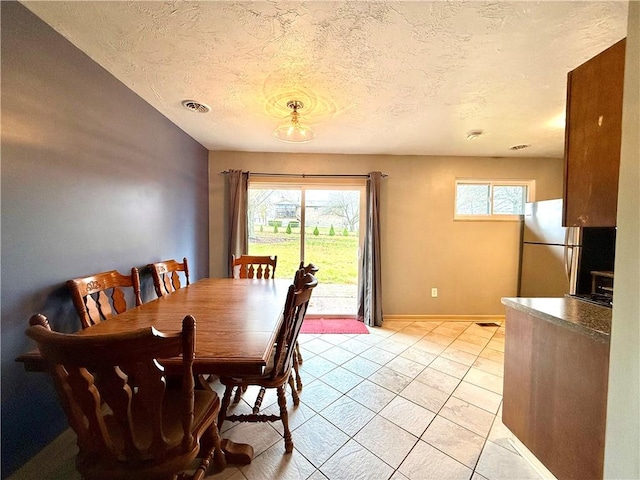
333, 325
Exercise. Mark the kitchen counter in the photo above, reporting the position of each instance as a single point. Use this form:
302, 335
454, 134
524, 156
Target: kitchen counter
568, 312
556, 364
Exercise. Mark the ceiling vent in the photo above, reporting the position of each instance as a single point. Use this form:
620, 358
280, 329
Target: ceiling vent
519, 147
196, 106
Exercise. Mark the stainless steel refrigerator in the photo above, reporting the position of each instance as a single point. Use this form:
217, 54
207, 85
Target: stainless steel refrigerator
557, 260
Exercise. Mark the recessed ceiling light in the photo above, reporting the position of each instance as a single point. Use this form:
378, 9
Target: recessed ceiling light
196, 106
473, 134
519, 147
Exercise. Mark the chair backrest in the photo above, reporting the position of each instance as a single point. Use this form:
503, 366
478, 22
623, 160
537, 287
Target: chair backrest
295, 310
117, 424
311, 268
254, 266
166, 278
100, 296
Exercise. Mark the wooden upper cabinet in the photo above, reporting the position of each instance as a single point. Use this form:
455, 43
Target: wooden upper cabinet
592, 140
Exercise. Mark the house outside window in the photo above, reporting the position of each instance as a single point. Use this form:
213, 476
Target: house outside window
478, 199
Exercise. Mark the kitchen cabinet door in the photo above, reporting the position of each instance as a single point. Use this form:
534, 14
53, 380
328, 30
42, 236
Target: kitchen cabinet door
592, 140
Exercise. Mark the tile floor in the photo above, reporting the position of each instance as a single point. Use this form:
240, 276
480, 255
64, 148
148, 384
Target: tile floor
411, 400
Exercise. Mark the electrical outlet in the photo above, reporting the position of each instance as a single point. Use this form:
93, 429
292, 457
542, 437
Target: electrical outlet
434, 292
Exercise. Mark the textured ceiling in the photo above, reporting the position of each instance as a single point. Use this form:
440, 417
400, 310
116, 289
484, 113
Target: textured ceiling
385, 77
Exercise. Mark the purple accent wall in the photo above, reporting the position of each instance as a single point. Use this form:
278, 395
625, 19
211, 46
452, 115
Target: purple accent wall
93, 179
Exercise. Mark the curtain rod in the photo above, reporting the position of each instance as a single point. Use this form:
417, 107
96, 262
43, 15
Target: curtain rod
306, 175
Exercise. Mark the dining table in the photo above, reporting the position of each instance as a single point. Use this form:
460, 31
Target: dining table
237, 321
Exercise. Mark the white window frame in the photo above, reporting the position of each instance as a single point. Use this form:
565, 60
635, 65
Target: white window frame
494, 217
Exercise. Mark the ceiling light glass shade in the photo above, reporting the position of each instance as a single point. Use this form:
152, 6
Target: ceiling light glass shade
291, 130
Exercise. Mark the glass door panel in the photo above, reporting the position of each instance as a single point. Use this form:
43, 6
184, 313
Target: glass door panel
274, 227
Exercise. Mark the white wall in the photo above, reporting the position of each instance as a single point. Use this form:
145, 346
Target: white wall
622, 444
473, 264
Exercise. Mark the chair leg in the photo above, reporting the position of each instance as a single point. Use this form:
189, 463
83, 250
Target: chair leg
298, 354
284, 416
239, 392
259, 398
294, 393
296, 364
226, 400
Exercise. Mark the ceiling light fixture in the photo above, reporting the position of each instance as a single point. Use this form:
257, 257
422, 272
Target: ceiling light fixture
291, 130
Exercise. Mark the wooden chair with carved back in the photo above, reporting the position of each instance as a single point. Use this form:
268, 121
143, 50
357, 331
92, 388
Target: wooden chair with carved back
166, 278
297, 360
146, 431
254, 266
277, 374
101, 296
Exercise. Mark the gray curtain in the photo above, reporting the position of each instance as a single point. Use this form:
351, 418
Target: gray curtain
238, 183
370, 288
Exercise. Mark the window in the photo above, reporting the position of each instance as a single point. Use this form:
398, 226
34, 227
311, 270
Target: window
492, 199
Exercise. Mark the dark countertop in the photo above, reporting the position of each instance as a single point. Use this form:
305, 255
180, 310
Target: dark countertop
578, 315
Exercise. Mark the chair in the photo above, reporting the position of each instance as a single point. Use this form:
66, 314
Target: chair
165, 275
278, 373
91, 296
124, 432
254, 266
297, 359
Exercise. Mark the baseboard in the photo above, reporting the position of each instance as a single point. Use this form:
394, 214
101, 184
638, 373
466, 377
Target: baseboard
445, 318
531, 459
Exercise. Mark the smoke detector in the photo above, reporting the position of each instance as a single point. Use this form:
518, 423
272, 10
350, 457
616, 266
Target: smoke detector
196, 106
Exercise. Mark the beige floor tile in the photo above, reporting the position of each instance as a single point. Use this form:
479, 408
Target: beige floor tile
355, 462
317, 345
392, 346
348, 415
408, 415
493, 355
486, 332
452, 353
440, 339
496, 345
355, 346
478, 396
372, 396
418, 355
489, 366
405, 366
454, 440
273, 463
341, 379
336, 355
378, 355
361, 366
501, 435
316, 366
260, 436
318, 440
319, 395
497, 463
468, 416
450, 367
386, 440
471, 348
298, 414
484, 379
404, 338
474, 339
429, 346
317, 475
390, 379
425, 396
428, 463
439, 380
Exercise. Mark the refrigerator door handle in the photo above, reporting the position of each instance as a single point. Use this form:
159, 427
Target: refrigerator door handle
568, 261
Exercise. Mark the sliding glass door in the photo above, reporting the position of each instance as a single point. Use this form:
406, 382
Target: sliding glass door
314, 223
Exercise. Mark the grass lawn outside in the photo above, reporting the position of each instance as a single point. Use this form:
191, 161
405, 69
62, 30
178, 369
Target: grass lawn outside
336, 256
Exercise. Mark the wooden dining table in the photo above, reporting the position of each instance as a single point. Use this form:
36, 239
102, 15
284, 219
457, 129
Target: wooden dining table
237, 321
